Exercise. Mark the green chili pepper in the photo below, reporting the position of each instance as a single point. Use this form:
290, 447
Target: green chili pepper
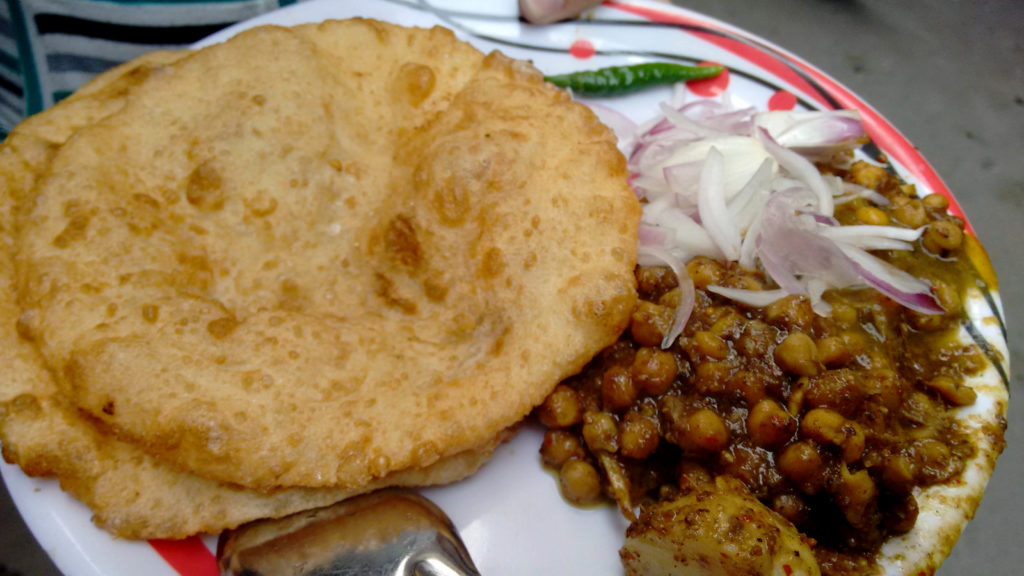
618, 80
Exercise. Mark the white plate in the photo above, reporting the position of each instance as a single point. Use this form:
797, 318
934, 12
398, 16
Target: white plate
510, 514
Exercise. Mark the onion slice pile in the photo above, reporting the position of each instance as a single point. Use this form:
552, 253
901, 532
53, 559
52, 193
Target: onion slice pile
741, 185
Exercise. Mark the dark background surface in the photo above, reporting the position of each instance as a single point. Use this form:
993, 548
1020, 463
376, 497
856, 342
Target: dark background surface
949, 74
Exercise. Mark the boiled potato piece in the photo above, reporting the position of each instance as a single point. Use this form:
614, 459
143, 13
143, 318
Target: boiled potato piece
716, 529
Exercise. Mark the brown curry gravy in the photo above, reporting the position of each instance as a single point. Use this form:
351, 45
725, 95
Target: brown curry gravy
831, 422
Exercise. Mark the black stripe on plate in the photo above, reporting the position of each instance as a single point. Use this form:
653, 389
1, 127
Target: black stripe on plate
448, 15
990, 299
445, 16
990, 352
154, 35
65, 62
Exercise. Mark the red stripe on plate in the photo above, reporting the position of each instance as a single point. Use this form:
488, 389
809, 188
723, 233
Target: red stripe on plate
881, 132
731, 42
188, 557
889, 139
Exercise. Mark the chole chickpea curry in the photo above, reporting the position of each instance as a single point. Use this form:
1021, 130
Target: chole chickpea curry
785, 401
311, 262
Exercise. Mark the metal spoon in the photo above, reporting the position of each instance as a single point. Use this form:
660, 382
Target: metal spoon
386, 533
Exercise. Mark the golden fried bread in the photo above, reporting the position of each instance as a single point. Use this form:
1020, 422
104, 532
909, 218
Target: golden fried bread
280, 265
132, 494
137, 496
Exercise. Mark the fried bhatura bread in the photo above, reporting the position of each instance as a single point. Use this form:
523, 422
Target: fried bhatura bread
132, 494
136, 496
281, 264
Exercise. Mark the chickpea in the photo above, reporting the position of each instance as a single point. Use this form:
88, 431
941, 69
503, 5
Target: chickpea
897, 472
948, 296
654, 370
901, 516
600, 432
909, 211
797, 355
829, 427
797, 396
713, 313
886, 387
743, 282
908, 190
867, 175
823, 425
655, 279
729, 325
925, 322
638, 436
650, 322
855, 443
704, 432
840, 390
942, 237
749, 384
933, 454
710, 345
559, 446
672, 298
857, 492
704, 271
793, 312
872, 216
756, 340
711, 377
801, 463
844, 315
919, 408
769, 425
617, 389
561, 408
693, 475
833, 351
854, 340
580, 481
956, 393
667, 492
935, 201
792, 507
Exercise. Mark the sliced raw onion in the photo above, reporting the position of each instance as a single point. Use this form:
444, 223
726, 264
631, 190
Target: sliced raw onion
801, 169
714, 213
653, 256
755, 298
686, 237
869, 237
817, 134
909, 291
735, 184
853, 191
